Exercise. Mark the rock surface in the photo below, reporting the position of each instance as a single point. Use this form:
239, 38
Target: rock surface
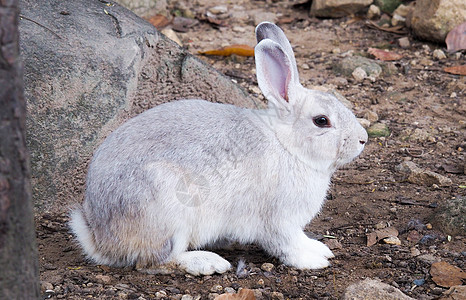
369, 289
450, 216
338, 8
433, 19
89, 67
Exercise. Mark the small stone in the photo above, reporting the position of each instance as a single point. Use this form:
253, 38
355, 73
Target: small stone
439, 54
238, 29
45, 286
453, 95
404, 42
373, 12
359, 74
333, 244
364, 122
187, 297
428, 258
392, 240
277, 296
229, 290
260, 282
372, 116
216, 288
397, 20
414, 252
105, 279
403, 10
305, 67
336, 51
160, 294
219, 9
213, 296
267, 267
378, 130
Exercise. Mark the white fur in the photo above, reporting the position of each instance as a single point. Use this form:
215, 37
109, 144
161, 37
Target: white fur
190, 173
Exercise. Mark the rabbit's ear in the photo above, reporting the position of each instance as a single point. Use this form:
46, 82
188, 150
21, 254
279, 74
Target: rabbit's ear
267, 30
274, 73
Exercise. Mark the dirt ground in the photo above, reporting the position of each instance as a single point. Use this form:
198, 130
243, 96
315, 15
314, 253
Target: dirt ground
424, 109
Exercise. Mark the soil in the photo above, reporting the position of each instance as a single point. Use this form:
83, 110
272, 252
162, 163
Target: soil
366, 195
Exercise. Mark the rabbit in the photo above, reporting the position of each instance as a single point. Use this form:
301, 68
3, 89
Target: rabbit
186, 174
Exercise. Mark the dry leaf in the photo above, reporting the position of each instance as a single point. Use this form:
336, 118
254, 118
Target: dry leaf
400, 29
374, 237
456, 38
384, 55
457, 70
159, 21
241, 50
244, 294
446, 275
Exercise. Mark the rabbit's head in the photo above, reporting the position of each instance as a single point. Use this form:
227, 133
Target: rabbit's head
310, 124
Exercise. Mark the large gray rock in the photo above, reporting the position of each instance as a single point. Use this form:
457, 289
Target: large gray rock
89, 66
433, 19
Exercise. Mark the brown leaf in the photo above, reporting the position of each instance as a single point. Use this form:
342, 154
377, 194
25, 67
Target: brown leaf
159, 21
456, 38
400, 29
374, 237
384, 55
244, 294
457, 70
241, 50
446, 275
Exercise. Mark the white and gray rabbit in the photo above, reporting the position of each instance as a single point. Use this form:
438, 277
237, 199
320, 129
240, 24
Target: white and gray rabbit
190, 173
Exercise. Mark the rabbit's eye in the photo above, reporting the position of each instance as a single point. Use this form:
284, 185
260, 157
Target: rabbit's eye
321, 121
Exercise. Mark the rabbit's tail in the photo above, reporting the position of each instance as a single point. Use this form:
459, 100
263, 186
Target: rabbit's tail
80, 227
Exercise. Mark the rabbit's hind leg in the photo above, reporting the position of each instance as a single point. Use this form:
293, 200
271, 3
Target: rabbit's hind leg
202, 262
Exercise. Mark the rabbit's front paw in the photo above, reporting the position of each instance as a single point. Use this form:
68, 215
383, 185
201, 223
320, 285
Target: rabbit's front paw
202, 263
309, 254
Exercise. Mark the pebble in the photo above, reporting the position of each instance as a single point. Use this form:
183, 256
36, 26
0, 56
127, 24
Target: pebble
239, 29
428, 258
105, 279
219, 9
260, 282
364, 122
372, 116
397, 20
404, 42
229, 290
392, 240
414, 252
267, 267
45, 286
373, 12
439, 54
160, 294
359, 74
217, 288
277, 296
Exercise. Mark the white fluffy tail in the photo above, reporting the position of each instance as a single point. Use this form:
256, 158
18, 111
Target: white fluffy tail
84, 236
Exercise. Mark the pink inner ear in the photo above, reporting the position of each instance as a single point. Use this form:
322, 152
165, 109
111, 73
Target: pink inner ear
278, 75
